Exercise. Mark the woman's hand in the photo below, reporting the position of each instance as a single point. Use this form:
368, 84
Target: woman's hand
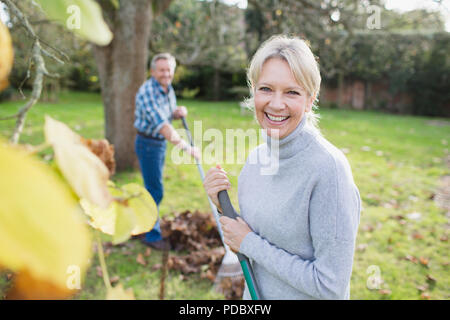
234, 231
216, 180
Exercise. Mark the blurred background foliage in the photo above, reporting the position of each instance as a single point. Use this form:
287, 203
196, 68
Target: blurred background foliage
214, 41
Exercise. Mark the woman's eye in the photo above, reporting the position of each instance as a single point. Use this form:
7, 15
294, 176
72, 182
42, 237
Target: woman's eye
294, 92
264, 89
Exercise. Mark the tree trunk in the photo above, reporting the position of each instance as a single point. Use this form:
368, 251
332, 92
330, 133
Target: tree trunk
122, 67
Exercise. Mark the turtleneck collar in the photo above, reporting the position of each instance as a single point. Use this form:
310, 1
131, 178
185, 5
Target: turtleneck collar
293, 143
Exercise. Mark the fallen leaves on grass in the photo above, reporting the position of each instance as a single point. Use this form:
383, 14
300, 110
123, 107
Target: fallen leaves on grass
104, 150
424, 261
417, 236
411, 258
431, 278
119, 293
384, 292
422, 287
425, 296
140, 259
197, 234
114, 279
362, 247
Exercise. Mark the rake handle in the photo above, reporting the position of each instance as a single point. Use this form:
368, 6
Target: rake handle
228, 211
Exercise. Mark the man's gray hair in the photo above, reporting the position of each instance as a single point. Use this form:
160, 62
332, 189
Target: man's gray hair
165, 56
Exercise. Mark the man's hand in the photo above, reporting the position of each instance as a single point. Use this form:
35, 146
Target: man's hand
180, 112
196, 153
192, 151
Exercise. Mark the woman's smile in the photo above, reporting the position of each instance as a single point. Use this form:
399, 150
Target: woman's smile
276, 120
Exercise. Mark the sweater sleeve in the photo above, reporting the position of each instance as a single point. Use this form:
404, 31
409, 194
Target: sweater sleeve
334, 210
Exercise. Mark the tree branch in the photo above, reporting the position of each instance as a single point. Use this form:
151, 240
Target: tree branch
41, 71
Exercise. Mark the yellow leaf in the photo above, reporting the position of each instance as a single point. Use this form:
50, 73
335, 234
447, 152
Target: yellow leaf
42, 232
133, 212
125, 222
6, 55
100, 219
118, 293
83, 170
116, 220
143, 206
83, 17
57, 132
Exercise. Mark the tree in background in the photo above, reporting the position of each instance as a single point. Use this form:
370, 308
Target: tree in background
202, 34
122, 67
214, 41
78, 73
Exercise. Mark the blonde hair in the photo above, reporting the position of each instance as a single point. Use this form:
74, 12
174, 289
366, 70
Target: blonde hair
301, 61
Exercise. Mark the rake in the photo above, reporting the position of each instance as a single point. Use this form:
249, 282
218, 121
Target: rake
230, 266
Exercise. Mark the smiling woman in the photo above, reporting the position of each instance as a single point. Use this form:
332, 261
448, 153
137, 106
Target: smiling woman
284, 84
299, 223
280, 103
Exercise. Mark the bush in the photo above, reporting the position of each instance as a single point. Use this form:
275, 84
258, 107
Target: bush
431, 81
238, 93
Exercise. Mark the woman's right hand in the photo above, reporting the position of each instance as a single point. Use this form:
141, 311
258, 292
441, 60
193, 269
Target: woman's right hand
215, 181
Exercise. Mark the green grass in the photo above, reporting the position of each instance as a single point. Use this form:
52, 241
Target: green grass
396, 162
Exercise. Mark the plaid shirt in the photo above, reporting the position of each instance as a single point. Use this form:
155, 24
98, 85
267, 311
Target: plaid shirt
154, 108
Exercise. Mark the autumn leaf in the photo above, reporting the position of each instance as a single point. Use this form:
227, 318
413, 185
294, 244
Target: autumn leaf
411, 258
116, 220
132, 212
425, 296
143, 206
42, 231
114, 279
99, 271
422, 287
417, 235
384, 292
83, 17
431, 278
83, 170
104, 151
6, 55
119, 293
140, 259
423, 261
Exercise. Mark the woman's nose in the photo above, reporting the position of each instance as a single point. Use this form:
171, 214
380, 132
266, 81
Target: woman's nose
276, 101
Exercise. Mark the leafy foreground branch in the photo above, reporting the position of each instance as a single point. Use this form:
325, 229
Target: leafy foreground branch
41, 71
40, 216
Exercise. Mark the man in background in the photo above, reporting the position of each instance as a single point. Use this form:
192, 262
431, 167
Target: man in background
156, 107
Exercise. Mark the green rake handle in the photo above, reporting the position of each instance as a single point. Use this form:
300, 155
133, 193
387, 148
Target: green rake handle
229, 211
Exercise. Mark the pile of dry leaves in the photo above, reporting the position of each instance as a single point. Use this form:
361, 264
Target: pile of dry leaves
196, 233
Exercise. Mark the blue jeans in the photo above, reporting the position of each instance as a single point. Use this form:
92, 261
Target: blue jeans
151, 154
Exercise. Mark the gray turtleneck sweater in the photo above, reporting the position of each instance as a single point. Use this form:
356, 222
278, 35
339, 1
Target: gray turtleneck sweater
304, 218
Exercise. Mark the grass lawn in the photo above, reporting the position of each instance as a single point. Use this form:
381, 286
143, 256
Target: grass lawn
397, 162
